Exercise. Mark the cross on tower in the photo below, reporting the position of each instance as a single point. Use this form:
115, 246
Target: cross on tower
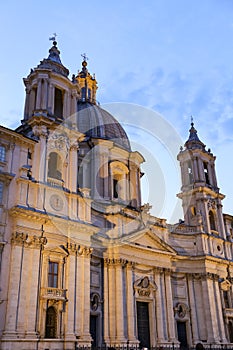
84, 56
53, 38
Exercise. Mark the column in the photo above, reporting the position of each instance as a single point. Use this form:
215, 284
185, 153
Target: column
192, 303
73, 166
70, 326
38, 97
220, 221
130, 304
44, 94
170, 313
210, 174
105, 170
26, 107
84, 299
159, 310
14, 285
95, 163
32, 100
195, 169
182, 170
111, 298
33, 286
50, 98
209, 310
65, 114
73, 102
119, 301
200, 169
219, 311
106, 303
133, 195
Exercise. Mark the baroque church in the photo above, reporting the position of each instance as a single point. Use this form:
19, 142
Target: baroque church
83, 262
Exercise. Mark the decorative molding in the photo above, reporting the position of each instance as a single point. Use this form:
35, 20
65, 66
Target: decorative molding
85, 251
181, 311
59, 142
144, 287
113, 261
56, 202
211, 204
225, 285
95, 301
23, 239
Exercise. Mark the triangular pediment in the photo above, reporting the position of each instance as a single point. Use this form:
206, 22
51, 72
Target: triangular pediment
57, 250
147, 239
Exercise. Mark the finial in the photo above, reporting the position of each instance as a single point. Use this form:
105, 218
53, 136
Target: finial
84, 56
192, 123
53, 38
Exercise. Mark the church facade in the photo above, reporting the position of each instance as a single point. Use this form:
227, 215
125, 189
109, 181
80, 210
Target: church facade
83, 262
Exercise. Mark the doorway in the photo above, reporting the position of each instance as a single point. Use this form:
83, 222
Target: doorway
182, 335
143, 324
94, 330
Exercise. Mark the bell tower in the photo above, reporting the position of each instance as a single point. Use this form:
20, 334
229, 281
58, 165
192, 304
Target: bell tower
201, 199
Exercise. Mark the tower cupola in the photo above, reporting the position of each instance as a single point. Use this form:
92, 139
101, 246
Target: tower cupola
87, 83
50, 95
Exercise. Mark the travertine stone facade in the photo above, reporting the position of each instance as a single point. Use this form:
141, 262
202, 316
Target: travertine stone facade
83, 263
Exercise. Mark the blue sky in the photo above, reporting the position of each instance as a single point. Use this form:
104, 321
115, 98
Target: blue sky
173, 57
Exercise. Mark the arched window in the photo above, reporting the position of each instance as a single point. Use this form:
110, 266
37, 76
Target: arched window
119, 172
51, 323
212, 221
55, 166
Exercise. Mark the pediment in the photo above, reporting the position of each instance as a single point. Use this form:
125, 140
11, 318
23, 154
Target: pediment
149, 240
56, 250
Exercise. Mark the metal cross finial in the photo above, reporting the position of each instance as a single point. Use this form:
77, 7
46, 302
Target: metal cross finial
53, 38
84, 56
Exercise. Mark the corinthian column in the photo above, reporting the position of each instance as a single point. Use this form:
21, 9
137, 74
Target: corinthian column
84, 279
130, 303
170, 314
192, 303
70, 325
159, 310
106, 303
120, 337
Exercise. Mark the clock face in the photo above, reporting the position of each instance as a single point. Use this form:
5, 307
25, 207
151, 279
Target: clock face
56, 202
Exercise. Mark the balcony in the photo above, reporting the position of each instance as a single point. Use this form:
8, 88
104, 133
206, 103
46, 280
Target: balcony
53, 293
228, 312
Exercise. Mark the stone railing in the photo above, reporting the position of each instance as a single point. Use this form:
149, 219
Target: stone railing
53, 293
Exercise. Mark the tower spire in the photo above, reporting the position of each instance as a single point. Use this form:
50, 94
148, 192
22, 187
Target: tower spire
193, 140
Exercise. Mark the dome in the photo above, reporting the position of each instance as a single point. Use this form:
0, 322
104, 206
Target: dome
95, 122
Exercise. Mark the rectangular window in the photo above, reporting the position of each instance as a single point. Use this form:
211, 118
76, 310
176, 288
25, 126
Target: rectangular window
190, 173
58, 103
115, 188
2, 154
53, 275
207, 179
1, 192
226, 300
